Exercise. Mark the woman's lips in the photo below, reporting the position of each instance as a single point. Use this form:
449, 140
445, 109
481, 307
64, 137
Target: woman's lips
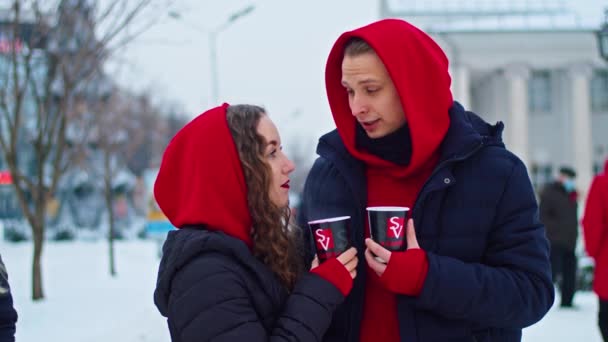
285, 185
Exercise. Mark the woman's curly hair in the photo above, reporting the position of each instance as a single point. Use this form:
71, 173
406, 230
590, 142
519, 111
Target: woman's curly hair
273, 242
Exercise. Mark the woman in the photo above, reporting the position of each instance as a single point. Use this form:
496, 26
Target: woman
231, 271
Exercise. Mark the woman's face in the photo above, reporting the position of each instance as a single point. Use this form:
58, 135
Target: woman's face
280, 165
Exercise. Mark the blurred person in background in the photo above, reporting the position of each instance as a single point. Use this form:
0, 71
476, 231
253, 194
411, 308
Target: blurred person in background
559, 213
477, 264
595, 232
8, 315
232, 271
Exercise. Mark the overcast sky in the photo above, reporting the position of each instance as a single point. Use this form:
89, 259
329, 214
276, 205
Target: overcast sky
274, 56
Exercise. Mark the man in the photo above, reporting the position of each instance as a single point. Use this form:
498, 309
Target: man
558, 212
8, 315
477, 264
595, 230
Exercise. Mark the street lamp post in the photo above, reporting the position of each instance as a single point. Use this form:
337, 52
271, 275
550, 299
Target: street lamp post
212, 37
213, 66
602, 37
213, 49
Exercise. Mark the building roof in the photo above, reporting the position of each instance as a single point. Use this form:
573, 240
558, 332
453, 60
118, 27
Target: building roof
490, 15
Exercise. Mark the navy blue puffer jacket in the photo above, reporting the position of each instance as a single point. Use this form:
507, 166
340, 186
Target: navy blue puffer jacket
476, 217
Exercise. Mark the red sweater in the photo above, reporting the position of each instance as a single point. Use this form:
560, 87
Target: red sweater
405, 272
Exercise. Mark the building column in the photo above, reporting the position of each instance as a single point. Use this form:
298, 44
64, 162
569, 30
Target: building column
517, 105
462, 85
580, 114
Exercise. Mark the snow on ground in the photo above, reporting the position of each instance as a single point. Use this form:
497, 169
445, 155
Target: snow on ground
578, 324
84, 304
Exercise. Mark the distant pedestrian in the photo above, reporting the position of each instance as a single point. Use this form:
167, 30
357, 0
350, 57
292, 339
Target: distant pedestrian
558, 211
595, 230
8, 315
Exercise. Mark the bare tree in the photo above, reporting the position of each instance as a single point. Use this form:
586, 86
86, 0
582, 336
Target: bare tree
123, 125
55, 52
117, 135
158, 124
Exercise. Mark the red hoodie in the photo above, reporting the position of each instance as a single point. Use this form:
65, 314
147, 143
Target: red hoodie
419, 70
201, 182
595, 230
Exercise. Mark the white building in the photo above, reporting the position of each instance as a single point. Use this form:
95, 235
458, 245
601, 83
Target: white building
532, 69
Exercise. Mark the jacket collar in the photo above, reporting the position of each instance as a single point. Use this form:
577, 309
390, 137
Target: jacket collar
466, 133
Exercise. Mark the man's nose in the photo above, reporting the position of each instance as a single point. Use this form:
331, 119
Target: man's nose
358, 105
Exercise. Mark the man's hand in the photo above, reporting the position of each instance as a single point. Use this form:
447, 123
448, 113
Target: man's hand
384, 254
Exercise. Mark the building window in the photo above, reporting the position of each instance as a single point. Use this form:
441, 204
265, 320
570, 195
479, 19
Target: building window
598, 167
541, 174
539, 92
599, 91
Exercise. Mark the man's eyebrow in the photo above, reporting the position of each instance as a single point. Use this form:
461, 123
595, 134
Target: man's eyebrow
367, 80
363, 81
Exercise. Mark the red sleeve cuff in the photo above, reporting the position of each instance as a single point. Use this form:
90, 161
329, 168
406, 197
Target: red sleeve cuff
406, 272
334, 272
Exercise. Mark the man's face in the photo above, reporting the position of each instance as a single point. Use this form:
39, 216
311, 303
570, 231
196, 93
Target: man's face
372, 96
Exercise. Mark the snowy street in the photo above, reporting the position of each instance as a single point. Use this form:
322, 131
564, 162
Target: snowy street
84, 304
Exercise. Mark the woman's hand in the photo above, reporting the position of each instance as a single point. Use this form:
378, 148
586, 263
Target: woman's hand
349, 260
315, 263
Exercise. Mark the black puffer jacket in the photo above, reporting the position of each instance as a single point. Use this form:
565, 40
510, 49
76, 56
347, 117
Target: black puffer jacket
559, 213
8, 315
211, 288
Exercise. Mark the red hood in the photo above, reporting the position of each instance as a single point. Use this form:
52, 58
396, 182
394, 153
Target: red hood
201, 180
419, 70
606, 166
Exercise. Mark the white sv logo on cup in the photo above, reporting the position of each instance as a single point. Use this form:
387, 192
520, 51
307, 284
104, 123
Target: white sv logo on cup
323, 240
396, 226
